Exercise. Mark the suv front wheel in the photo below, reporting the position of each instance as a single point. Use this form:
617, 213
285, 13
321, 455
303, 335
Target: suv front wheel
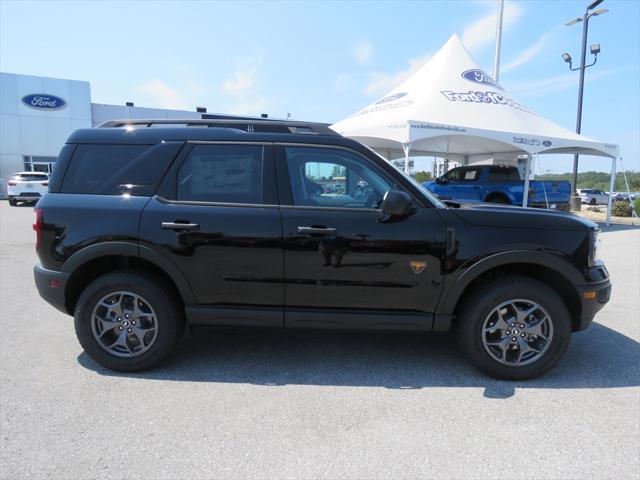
127, 321
513, 327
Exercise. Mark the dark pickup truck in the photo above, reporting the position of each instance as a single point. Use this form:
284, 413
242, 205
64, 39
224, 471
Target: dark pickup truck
498, 184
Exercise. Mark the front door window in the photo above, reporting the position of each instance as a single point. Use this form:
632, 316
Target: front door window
323, 177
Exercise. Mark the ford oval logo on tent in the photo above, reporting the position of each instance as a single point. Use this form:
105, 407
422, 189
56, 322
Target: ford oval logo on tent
43, 101
478, 76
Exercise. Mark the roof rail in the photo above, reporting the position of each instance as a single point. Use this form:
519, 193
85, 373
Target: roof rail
246, 125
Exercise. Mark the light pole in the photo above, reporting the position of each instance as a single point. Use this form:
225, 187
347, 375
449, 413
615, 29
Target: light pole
496, 58
595, 49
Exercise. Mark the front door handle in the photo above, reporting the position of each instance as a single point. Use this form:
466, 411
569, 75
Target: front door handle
178, 225
318, 230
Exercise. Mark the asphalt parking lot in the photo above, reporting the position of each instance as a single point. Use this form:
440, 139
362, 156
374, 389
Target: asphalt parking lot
252, 404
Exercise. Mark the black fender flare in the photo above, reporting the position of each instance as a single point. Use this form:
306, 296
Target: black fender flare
130, 249
551, 261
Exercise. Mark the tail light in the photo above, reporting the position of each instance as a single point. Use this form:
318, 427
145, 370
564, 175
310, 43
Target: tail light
12, 183
37, 227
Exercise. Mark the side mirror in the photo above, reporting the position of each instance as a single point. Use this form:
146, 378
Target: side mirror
441, 180
396, 203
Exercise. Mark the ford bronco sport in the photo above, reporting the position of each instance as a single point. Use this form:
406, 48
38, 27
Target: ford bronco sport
151, 227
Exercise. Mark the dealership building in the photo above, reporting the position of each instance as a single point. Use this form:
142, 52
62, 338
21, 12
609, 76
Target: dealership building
37, 115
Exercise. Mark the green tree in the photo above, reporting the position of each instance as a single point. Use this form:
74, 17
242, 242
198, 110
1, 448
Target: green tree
599, 180
421, 176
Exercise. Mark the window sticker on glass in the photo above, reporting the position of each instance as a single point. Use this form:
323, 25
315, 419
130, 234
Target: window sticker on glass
470, 175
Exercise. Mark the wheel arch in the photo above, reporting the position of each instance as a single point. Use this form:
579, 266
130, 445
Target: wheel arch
499, 194
550, 269
93, 261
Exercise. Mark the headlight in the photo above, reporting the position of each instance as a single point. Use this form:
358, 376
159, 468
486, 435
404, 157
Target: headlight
594, 241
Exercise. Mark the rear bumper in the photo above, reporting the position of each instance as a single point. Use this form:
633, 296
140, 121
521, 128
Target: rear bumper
593, 296
52, 285
26, 196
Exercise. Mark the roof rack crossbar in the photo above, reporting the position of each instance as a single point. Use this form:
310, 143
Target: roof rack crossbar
250, 125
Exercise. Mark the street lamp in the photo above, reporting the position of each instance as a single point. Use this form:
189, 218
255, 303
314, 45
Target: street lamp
595, 49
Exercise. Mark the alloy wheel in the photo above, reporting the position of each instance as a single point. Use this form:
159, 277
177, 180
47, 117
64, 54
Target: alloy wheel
517, 332
124, 324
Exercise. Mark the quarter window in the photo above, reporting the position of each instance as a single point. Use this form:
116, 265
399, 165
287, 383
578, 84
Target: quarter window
222, 173
101, 169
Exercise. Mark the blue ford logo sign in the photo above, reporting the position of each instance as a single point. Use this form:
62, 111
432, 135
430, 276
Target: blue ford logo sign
478, 76
546, 143
42, 101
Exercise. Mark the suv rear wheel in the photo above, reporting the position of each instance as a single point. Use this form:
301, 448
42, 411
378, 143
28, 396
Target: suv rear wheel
12, 201
126, 321
513, 328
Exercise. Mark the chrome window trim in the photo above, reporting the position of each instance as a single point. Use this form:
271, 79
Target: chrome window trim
213, 204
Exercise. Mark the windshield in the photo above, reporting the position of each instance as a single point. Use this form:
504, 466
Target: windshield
31, 177
413, 181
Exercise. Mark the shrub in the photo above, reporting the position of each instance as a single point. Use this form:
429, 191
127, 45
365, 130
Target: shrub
421, 177
621, 208
636, 205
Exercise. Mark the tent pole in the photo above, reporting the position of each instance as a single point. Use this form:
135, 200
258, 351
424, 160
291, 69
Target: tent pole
612, 186
626, 182
406, 147
527, 170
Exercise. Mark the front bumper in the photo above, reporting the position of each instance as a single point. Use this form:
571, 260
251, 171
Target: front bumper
52, 285
593, 295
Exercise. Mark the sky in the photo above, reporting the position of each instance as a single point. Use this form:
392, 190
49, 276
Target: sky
323, 61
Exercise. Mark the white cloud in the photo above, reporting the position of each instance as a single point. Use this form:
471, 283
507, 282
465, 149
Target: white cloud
240, 88
163, 95
381, 83
241, 81
250, 105
362, 52
483, 31
555, 84
527, 54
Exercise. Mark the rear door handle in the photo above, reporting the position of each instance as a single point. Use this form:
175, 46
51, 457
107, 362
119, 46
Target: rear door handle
317, 230
177, 225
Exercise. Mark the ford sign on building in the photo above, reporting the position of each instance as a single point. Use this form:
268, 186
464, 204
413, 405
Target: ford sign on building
43, 101
37, 115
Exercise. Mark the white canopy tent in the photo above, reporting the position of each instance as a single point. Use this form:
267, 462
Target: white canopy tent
451, 108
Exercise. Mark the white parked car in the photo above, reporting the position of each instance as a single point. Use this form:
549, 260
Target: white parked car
27, 187
594, 197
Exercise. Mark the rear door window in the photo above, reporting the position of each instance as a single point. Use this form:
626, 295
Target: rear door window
222, 174
503, 174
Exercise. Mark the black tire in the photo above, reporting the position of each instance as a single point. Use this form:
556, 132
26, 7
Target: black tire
592, 201
498, 199
160, 296
476, 307
13, 202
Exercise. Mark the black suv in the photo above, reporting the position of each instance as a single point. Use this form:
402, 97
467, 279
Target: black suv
152, 227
